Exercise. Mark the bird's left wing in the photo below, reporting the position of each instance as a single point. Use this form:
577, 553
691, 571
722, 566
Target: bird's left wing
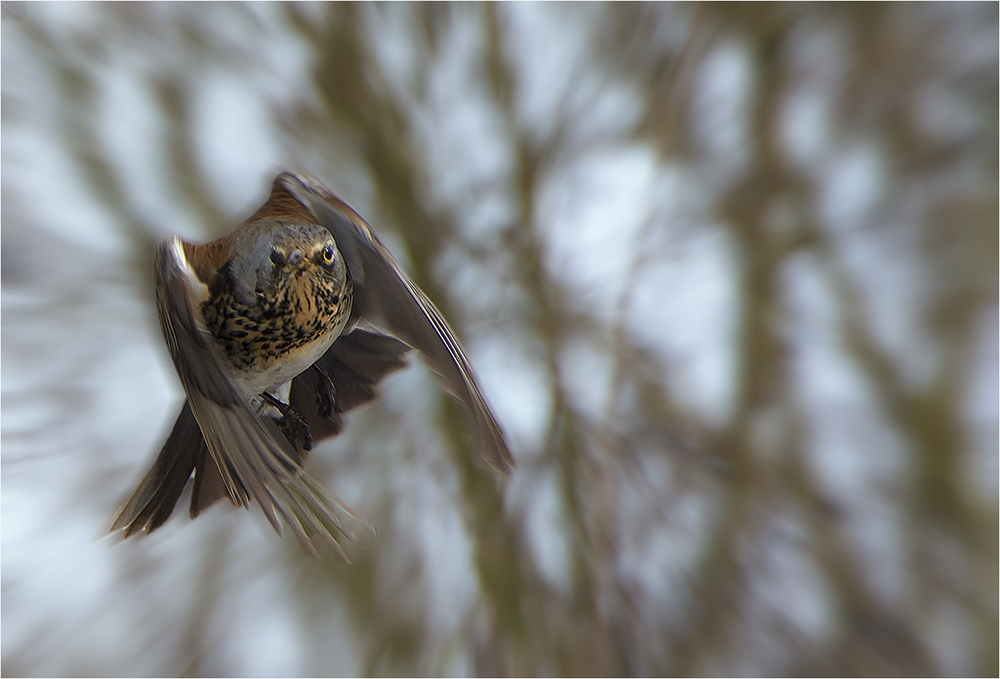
385, 298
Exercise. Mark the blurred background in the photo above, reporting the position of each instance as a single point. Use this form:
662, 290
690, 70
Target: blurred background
728, 275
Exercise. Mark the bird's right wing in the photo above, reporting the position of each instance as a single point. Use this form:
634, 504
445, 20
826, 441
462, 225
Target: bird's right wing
254, 458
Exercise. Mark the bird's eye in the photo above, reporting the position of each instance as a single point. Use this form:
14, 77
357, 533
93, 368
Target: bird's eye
277, 258
328, 254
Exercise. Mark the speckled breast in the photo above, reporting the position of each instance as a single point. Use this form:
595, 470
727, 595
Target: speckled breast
277, 338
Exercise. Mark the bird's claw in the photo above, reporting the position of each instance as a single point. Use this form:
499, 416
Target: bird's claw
292, 424
326, 395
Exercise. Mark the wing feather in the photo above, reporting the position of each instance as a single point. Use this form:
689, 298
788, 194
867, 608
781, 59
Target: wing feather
385, 298
254, 459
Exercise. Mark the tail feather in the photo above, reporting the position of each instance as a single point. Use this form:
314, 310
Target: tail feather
209, 487
154, 499
356, 363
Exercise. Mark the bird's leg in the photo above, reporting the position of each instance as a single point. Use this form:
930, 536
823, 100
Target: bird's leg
326, 394
292, 424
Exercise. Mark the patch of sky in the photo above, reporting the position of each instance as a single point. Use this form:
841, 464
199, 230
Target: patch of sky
516, 383
585, 373
546, 529
880, 251
858, 458
720, 110
234, 135
787, 586
683, 309
445, 550
461, 137
806, 118
70, 211
134, 139
549, 46
815, 55
263, 637
589, 217
979, 408
661, 540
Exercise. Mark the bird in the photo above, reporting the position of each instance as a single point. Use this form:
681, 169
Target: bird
276, 330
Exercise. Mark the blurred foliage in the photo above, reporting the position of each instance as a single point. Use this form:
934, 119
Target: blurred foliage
789, 524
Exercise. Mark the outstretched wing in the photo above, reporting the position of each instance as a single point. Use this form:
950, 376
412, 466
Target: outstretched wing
385, 298
254, 459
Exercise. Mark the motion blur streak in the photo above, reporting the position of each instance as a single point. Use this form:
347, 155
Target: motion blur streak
728, 275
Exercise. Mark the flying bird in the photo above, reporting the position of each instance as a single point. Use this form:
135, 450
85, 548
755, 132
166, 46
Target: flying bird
275, 331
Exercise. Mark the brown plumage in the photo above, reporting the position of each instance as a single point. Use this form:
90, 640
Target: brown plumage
276, 330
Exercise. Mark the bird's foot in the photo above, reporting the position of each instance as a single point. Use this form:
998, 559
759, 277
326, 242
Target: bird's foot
326, 394
292, 424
